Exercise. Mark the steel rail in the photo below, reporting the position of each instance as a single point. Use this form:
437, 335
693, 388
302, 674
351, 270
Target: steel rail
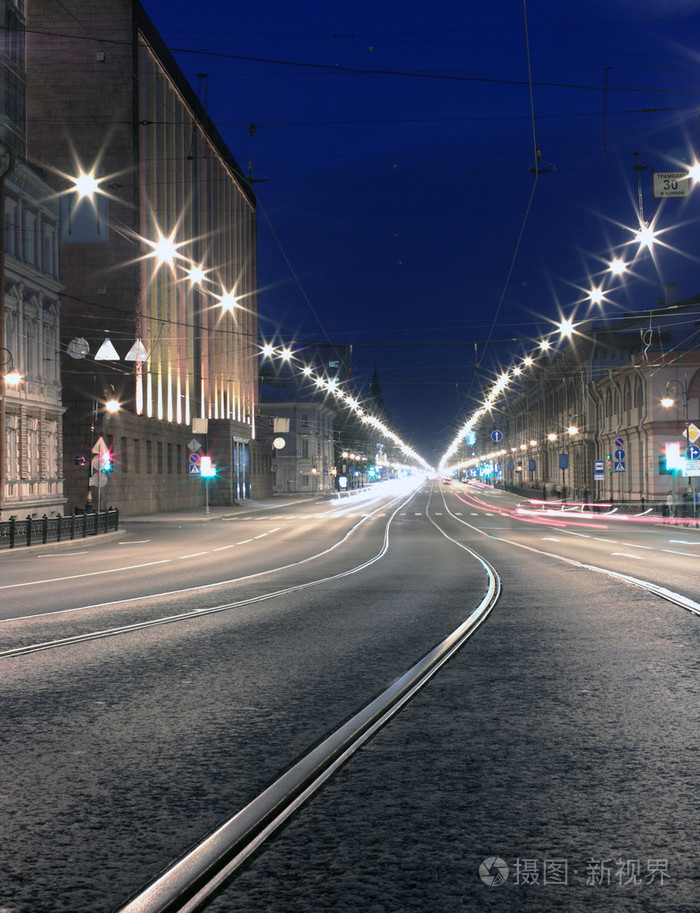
74, 639
654, 588
196, 587
186, 885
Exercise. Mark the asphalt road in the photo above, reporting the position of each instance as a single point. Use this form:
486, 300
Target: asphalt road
566, 729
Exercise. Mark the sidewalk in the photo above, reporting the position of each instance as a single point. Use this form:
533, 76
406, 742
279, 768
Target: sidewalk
221, 511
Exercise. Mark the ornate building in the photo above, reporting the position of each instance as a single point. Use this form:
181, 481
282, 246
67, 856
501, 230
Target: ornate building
30, 391
158, 260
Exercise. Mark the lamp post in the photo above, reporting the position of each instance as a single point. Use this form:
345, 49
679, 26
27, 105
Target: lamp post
667, 402
552, 437
7, 163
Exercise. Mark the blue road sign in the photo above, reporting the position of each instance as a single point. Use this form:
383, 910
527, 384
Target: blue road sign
496, 436
532, 465
619, 454
619, 465
619, 442
563, 460
693, 452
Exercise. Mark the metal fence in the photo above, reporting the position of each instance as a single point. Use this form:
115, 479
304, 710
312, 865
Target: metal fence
15, 533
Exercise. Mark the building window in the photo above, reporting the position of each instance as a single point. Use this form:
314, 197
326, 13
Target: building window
30, 238
137, 455
149, 457
159, 452
123, 455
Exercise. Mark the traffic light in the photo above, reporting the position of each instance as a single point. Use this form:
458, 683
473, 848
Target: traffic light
106, 460
608, 462
206, 467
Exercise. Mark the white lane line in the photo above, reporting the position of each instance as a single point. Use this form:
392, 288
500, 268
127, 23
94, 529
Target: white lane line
634, 545
684, 542
603, 539
222, 548
113, 570
244, 541
193, 555
550, 539
65, 554
418, 515
134, 542
670, 551
625, 555
261, 536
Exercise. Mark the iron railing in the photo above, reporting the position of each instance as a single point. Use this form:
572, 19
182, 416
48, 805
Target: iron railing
40, 530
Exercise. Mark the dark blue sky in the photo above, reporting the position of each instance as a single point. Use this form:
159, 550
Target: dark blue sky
394, 147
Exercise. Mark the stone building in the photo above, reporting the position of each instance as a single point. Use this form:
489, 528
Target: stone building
158, 260
619, 396
30, 391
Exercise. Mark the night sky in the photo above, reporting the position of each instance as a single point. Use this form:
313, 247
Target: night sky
403, 207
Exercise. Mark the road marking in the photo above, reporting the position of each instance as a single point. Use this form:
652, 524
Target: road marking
603, 539
634, 545
244, 541
670, 551
418, 515
222, 548
65, 554
112, 570
130, 542
683, 542
261, 536
193, 555
625, 555
550, 539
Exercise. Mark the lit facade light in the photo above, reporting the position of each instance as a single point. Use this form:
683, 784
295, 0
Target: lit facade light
572, 430
112, 406
551, 436
13, 377
268, 350
528, 361
533, 443
286, 354
595, 296
545, 345
667, 402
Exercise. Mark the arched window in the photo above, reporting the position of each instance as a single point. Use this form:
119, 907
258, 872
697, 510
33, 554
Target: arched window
627, 401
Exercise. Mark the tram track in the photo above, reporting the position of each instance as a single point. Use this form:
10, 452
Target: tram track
119, 630
654, 589
194, 878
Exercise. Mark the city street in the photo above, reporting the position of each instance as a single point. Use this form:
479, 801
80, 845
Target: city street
157, 680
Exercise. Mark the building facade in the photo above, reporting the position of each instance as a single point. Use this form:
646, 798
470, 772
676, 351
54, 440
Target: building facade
300, 438
608, 418
31, 466
158, 260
